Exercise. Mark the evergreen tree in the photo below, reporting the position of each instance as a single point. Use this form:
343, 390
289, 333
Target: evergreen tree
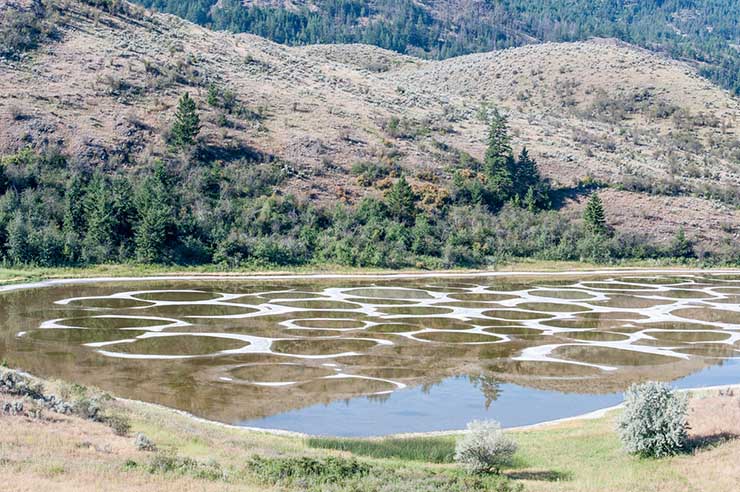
401, 201
526, 175
155, 225
73, 222
187, 122
681, 246
97, 243
594, 215
123, 214
498, 161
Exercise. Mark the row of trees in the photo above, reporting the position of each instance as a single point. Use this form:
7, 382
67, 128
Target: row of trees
502, 177
187, 210
702, 30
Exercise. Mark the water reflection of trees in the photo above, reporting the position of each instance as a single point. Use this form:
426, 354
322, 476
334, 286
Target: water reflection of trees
488, 385
381, 398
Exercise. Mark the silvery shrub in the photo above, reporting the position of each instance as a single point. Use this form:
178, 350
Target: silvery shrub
653, 424
484, 448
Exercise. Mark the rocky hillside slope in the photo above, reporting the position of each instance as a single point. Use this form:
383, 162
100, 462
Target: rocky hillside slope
104, 87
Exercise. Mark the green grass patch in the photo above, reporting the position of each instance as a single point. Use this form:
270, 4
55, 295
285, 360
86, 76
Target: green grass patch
167, 462
426, 449
341, 474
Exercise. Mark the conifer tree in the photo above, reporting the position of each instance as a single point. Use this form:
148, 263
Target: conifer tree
97, 242
498, 161
156, 221
594, 215
73, 224
401, 201
526, 175
187, 122
681, 246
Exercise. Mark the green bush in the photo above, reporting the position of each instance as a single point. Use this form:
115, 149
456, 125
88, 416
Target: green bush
341, 474
169, 462
485, 448
653, 423
293, 470
120, 424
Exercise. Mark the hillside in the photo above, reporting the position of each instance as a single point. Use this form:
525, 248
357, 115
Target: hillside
702, 31
103, 90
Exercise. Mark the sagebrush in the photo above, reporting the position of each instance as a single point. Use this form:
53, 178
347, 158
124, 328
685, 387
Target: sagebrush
654, 422
485, 448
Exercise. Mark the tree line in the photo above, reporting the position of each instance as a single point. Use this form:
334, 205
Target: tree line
190, 210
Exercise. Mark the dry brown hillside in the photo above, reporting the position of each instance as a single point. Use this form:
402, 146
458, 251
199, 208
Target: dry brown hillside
105, 90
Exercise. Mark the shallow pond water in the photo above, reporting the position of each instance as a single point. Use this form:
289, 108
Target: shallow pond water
374, 356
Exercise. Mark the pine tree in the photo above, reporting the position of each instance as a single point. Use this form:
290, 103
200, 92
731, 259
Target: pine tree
594, 215
156, 221
187, 122
97, 206
681, 246
498, 161
401, 201
74, 217
526, 175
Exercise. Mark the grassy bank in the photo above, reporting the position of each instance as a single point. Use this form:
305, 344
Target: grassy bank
34, 274
67, 452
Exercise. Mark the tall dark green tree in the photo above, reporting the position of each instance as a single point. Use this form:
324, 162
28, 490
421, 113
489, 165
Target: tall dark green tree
499, 158
186, 126
155, 226
594, 215
681, 246
401, 201
73, 222
97, 244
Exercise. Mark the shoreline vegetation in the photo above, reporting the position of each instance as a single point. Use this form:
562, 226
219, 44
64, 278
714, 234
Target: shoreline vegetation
132, 445
233, 216
22, 275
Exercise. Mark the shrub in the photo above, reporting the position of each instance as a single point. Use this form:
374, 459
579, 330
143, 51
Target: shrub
169, 462
120, 424
654, 420
485, 448
295, 470
340, 474
143, 443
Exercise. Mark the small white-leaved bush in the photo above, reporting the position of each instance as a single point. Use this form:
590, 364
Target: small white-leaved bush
484, 448
653, 423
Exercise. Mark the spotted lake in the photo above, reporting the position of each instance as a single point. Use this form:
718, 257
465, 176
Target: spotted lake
374, 356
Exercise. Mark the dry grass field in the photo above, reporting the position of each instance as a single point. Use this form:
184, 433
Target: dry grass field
61, 452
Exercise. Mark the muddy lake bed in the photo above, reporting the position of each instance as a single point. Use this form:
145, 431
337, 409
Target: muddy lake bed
375, 356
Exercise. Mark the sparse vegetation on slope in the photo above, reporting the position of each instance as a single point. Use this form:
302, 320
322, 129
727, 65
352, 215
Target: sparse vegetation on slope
705, 32
54, 214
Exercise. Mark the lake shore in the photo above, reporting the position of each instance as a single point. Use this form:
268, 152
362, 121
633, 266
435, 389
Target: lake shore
66, 452
579, 453
10, 276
